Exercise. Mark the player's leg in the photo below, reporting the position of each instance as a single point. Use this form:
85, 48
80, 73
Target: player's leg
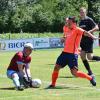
90, 56
97, 58
73, 65
85, 62
14, 76
81, 74
55, 75
23, 80
60, 63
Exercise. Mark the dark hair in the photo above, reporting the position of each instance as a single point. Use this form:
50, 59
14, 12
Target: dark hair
73, 18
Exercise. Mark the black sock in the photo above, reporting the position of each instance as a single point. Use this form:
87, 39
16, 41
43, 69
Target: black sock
87, 66
97, 58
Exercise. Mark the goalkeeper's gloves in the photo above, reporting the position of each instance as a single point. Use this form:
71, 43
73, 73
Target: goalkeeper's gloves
30, 81
26, 82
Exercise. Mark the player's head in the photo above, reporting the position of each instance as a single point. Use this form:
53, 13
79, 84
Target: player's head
28, 47
71, 21
83, 12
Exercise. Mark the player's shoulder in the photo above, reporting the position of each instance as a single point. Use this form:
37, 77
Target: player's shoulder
20, 54
29, 58
65, 27
89, 18
78, 29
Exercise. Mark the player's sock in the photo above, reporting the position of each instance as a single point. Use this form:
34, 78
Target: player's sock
54, 77
87, 66
16, 80
97, 58
83, 75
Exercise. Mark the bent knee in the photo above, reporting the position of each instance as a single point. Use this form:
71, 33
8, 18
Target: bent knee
74, 72
57, 67
83, 57
15, 75
89, 57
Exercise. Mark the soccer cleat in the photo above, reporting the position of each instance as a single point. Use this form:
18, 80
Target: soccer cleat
93, 82
20, 88
50, 87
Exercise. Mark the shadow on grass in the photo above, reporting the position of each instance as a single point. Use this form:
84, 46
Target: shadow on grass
66, 76
64, 87
51, 64
8, 88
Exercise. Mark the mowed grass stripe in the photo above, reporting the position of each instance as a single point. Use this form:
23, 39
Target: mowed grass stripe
68, 88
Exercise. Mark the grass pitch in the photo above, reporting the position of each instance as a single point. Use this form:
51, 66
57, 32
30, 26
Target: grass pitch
68, 87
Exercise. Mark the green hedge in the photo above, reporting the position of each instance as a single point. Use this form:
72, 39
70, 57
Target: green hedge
28, 35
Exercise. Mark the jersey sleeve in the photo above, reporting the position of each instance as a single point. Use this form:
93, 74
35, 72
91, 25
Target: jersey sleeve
19, 59
92, 23
29, 59
80, 31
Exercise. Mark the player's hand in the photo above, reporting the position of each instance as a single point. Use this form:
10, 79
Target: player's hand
30, 81
62, 40
95, 38
25, 80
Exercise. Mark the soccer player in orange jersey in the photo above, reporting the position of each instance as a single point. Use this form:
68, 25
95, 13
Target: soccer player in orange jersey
69, 56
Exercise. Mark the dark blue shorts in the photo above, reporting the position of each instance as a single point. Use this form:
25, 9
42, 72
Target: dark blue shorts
67, 59
87, 44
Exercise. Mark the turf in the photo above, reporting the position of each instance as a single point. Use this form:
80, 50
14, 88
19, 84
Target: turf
68, 87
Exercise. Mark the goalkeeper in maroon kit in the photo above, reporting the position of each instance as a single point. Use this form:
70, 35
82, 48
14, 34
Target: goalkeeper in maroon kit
19, 69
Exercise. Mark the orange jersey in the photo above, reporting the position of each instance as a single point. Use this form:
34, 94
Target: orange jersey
72, 39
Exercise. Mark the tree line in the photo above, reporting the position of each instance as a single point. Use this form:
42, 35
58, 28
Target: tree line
42, 15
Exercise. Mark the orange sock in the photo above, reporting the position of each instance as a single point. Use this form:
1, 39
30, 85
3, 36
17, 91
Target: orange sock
83, 75
54, 77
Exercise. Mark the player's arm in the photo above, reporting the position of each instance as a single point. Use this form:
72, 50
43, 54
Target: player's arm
63, 38
20, 67
27, 70
90, 35
94, 29
27, 76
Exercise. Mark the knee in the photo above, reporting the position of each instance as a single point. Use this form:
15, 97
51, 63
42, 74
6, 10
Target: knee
83, 57
57, 67
89, 57
15, 75
74, 73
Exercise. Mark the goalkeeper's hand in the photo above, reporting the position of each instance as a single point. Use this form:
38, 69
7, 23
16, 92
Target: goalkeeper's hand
26, 82
30, 81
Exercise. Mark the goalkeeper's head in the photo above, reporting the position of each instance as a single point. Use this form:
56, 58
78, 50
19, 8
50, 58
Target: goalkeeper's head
28, 47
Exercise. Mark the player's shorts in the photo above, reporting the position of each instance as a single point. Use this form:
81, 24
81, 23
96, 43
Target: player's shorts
87, 45
67, 59
10, 73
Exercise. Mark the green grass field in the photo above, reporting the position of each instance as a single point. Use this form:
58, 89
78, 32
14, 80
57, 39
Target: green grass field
68, 87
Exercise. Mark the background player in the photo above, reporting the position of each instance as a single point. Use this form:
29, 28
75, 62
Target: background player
86, 44
19, 69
